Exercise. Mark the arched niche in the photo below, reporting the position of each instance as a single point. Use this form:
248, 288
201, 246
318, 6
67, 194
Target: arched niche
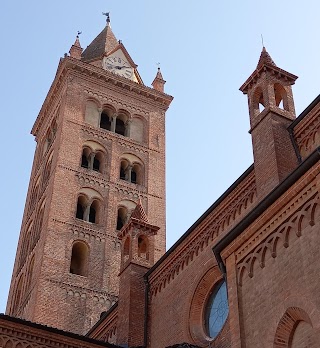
92, 113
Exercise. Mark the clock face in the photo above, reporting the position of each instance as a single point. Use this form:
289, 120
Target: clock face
118, 65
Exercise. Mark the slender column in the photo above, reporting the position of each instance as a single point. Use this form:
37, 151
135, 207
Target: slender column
128, 127
86, 213
113, 123
90, 160
129, 170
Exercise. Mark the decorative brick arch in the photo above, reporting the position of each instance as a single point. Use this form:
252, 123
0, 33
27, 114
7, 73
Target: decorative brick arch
207, 282
287, 326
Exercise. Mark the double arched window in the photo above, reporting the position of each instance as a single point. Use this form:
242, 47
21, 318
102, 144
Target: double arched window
93, 156
116, 121
79, 258
131, 169
88, 205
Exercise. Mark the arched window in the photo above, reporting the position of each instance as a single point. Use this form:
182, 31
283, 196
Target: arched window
81, 206
143, 247
131, 172
105, 121
121, 217
86, 210
94, 207
79, 259
124, 170
280, 95
136, 174
97, 160
258, 101
120, 126
92, 160
85, 158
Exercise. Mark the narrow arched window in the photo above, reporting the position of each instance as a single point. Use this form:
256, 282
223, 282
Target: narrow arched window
81, 206
134, 175
97, 160
258, 101
280, 96
105, 122
84, 159
93, 212
121, 218
124, 170
120, 127
79, 259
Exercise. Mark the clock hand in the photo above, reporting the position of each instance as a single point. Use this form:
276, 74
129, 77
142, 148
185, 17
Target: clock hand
122, 67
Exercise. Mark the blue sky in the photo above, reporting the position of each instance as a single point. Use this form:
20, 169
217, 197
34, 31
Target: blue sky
207, 49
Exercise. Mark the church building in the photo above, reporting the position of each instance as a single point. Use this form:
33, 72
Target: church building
91, 268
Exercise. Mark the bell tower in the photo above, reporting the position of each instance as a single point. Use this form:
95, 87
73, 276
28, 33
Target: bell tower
271, 110
100, 150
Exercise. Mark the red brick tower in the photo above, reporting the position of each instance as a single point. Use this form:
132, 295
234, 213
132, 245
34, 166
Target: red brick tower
100, 148
271, 110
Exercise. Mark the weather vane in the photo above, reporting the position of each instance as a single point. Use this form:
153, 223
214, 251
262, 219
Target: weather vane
107, 14
262, 40
79, 33
158, 64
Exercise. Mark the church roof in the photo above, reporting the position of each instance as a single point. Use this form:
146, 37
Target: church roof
103, 43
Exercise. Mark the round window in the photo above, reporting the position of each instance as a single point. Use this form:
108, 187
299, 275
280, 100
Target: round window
217, 310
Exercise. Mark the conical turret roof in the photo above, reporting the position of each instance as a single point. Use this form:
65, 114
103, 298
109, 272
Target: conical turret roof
103, 43
139, 213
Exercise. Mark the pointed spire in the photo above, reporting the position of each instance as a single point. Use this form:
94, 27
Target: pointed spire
139, 213
158, 82
102, 44
265, 59
76, 49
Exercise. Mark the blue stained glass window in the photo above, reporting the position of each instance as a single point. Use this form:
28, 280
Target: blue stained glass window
217, 310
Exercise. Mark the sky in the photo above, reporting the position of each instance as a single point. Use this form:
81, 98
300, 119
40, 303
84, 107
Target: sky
206, 50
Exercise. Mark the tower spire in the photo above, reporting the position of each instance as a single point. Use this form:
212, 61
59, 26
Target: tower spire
104, 43
265, 59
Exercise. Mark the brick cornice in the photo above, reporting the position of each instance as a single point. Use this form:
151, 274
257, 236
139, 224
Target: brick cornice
28, 334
